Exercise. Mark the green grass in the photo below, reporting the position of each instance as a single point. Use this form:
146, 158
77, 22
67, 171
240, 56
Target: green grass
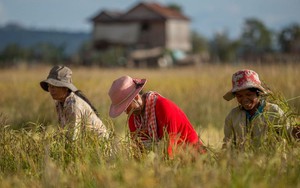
34, 154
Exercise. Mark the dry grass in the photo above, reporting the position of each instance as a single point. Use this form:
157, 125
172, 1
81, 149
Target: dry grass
38, 158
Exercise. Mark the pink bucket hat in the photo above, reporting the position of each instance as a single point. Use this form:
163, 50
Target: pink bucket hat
122, 92
244, 79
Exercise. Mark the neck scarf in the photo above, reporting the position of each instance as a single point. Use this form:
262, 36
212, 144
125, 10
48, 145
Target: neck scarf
147, 121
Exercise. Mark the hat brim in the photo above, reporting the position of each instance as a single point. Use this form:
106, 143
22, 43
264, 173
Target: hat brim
116, 110
229, 95
57, 83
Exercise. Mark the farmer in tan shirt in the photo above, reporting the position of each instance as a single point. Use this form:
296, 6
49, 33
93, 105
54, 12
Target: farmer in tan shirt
253, 118
74, 110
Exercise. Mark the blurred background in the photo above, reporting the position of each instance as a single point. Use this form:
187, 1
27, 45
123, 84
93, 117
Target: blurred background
162, 33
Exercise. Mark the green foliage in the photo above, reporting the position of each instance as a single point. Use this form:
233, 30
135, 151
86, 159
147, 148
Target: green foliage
223, 49
256, 39
289, 38
44, 52
199, 43
12, 54
175, 7
107, 58
47, 52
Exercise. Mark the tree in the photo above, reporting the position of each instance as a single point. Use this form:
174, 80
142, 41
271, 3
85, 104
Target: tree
84, 54
12, 54
175, 6
289, 39
222, 48
48, 52
256, 39
199, 43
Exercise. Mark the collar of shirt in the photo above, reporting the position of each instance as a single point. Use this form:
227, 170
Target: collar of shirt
259, 110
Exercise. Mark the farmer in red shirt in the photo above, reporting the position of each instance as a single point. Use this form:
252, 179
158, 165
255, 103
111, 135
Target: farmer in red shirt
151, 116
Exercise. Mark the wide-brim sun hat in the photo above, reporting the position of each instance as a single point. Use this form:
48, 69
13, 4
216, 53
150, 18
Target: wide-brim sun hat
59, 76
122, 92
244, 79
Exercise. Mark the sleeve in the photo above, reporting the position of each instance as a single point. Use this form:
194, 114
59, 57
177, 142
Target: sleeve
274, 114
228, 131
94, 124
73, 120
102, 130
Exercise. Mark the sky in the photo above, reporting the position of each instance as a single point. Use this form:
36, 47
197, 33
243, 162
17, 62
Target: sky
208, 17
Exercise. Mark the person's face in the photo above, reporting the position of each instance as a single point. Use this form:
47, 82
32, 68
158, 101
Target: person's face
58, 93
248, 99
135, 106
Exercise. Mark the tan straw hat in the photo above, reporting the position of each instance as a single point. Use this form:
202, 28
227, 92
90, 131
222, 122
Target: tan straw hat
122, 92
59, 76
244, 79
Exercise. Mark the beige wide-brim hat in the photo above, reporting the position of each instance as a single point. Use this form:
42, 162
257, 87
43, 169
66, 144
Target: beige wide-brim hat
244, 79
122, 92
59, 76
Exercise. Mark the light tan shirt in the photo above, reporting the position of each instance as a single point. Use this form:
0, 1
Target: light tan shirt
75, 116
238, 129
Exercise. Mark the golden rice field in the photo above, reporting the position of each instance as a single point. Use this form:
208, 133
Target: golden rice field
34, 155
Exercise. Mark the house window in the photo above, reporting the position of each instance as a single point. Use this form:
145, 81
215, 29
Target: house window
145, 26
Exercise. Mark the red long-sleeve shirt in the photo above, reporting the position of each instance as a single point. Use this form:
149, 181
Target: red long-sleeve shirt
172, 119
